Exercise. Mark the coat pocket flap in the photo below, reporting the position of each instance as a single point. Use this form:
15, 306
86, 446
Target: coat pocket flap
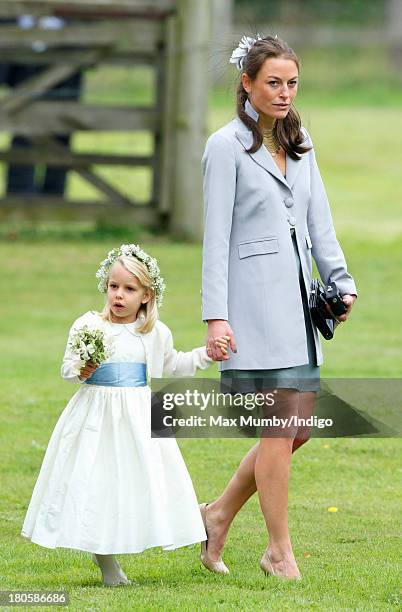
308, 241
258, 247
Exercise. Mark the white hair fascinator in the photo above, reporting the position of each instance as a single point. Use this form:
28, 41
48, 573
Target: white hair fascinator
243, 48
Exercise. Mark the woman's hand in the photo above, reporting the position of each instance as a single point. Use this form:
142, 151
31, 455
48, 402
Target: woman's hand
218, 336
348, 300
88, 369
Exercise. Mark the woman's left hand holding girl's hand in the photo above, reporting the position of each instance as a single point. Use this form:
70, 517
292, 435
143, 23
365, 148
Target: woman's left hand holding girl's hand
222, 343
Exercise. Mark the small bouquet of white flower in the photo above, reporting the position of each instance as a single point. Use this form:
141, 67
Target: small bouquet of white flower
90, 344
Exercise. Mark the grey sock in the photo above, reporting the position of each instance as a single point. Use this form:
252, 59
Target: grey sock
111, 570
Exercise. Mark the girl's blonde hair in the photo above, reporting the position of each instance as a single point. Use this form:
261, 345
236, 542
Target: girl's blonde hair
148, 311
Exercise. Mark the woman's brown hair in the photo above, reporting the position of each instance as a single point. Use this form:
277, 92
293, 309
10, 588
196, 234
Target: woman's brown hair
287, 131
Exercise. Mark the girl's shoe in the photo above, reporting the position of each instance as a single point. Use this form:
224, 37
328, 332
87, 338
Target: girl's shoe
267, 567
218, 567
122, 580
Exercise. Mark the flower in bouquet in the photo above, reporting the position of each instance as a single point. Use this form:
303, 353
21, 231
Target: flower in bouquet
90, 344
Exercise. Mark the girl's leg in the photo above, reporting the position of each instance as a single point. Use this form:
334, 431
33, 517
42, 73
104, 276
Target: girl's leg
112, 573
221, 512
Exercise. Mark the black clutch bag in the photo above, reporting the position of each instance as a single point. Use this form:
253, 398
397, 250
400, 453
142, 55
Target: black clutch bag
319, 297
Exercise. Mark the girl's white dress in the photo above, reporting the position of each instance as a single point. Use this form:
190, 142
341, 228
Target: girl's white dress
105, 485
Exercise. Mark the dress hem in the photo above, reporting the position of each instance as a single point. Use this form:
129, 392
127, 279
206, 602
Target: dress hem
171, 546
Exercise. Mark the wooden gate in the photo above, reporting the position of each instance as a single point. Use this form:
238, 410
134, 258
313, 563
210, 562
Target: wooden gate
116, 32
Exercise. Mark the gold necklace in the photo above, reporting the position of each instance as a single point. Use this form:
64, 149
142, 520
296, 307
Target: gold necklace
271, 143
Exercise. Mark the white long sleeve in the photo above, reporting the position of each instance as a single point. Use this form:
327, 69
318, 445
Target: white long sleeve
69, 363
178, 363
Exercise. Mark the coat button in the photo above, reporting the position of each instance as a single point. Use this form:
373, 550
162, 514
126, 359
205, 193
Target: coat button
288, 202
292, 220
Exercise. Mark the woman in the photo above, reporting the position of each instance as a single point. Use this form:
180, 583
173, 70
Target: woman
266, 216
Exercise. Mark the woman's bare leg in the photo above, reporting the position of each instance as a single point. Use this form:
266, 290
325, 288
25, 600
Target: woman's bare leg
306, 410
272, 472
221, 512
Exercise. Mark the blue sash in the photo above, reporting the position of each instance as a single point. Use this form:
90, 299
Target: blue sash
120, 374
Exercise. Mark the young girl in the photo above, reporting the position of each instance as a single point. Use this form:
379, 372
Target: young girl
105, 486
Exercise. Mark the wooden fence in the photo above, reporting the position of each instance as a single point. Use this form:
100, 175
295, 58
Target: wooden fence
172, 37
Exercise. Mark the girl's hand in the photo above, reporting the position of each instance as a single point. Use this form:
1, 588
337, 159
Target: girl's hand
222, 342
88, 369
219, 328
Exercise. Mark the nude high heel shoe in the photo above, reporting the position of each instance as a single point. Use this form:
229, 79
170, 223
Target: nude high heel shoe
267, 567
218, 567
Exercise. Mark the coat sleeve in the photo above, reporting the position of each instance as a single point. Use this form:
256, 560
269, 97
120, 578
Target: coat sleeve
69, 363
326, 250
178, 363
219, 185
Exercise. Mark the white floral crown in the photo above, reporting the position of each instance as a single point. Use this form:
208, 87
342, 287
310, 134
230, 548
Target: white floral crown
244, 46
132, 250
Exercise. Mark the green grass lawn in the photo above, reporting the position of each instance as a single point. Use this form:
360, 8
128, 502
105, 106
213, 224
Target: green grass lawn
350, 560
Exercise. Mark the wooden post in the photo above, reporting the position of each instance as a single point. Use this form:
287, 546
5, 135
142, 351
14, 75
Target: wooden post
168, 120
222, 38
394, 23
191, 101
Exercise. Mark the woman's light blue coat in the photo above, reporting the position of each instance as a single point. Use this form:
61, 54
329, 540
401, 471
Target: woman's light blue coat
249, 271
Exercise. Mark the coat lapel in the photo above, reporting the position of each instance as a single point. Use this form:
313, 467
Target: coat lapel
292, 169
264, 159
